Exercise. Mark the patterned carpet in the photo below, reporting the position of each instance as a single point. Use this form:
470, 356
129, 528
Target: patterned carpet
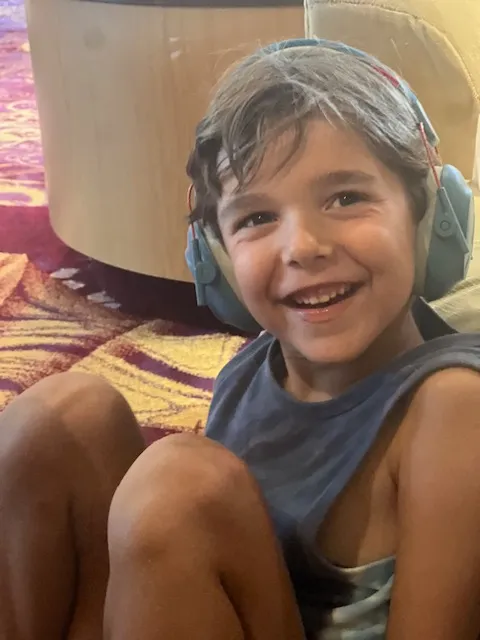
61, 311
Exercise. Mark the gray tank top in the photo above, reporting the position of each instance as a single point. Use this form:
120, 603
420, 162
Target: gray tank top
304, 454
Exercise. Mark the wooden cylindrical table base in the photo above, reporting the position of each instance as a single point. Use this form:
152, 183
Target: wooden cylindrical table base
120, 88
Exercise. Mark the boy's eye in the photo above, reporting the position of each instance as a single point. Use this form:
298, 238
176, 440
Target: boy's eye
347, 199
254, 220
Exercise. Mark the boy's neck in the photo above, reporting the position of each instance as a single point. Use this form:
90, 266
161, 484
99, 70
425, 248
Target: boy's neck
312, 382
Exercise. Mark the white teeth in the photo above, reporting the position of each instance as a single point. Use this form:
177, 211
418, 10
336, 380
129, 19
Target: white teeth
324, 298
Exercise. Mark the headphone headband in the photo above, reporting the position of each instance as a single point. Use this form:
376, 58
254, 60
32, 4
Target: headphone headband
395, 80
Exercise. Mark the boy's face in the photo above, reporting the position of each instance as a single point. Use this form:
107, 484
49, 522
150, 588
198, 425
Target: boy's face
323, 250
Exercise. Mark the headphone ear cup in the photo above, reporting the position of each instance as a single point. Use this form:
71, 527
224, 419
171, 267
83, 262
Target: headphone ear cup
212, 286
445, 236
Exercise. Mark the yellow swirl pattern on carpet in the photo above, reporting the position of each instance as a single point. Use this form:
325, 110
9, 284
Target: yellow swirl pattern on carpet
45, 328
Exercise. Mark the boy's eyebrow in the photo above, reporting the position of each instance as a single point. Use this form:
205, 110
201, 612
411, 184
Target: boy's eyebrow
242, 201
341, 177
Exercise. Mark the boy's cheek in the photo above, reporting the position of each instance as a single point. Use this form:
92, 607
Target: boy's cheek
254, 279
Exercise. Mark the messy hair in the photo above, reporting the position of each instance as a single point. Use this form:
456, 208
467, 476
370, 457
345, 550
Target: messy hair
272, 93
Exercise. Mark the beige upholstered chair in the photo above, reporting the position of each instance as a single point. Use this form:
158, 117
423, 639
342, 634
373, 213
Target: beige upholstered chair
120, 87
435, 46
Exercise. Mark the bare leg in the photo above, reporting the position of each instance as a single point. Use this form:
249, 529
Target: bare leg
192, 551
65, 445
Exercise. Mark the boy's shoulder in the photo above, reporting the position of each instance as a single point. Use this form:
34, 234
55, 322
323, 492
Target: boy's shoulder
240, 385
246, 362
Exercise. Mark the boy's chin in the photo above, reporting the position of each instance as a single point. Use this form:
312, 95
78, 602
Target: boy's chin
332, 351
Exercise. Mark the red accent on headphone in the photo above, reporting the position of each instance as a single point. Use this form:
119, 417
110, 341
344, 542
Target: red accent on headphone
428, 148
190, 194
189, 198
431, 159
395, 81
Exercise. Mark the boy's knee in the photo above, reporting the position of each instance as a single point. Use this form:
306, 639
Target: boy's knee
71, 395
179, 488
62, 410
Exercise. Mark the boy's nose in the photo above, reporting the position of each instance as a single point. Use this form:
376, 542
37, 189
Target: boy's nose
304, 245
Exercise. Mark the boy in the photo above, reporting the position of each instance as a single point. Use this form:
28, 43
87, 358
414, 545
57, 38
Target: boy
349, 431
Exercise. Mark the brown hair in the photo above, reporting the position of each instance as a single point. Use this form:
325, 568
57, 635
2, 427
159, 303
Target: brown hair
268, 94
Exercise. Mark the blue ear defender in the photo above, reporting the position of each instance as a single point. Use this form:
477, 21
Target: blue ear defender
214, 284
444, 239
445, 236
212, 271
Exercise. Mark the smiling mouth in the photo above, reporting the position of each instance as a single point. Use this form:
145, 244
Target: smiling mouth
323, 301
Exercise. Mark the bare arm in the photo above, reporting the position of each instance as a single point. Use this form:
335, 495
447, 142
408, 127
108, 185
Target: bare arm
436, 594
